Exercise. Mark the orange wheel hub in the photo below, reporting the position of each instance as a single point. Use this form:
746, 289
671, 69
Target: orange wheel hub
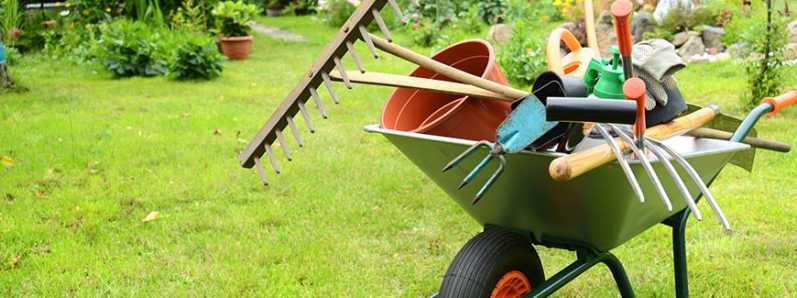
512, 285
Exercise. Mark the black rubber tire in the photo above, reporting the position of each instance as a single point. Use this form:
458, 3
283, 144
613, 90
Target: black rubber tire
482, 262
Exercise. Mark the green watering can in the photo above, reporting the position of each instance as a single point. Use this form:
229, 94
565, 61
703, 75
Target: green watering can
605, 78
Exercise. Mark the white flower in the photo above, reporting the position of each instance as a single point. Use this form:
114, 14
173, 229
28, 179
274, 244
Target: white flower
64, 13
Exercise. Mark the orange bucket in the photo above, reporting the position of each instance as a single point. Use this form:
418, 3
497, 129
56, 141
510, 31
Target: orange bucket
450, 115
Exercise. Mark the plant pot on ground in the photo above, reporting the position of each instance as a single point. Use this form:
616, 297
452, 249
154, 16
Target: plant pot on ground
233, 18
274, 8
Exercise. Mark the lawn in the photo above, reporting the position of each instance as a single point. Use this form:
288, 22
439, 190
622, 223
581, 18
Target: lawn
350, 216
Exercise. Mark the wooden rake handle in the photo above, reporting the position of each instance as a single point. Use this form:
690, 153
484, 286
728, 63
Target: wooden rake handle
445, 87
571, 166
446, 70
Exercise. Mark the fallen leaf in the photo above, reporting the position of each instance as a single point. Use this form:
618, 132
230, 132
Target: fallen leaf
6, 161
151, 216
217, 132
14, 261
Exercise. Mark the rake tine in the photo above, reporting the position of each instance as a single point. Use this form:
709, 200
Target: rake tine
464, 154
306, 117
283, 144
674, 175
274, 164
645, 165
342, 71
261, 171
295, 131
355, 57
698, 181
328, 83
476, 170
318, 103
381, 23
367, 38
397, 10
629, 174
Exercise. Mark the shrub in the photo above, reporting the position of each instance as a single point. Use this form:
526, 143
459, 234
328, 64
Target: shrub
336, 12
302, 7
765, 65
196, 59
128, 48
522, 58
491, 10
232, 18
189, 17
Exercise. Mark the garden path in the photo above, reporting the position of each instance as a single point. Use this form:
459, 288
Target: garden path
276, 33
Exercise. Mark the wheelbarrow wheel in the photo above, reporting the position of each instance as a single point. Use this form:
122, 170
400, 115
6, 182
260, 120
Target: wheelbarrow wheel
496, 263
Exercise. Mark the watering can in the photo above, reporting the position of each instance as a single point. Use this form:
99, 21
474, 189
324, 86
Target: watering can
2, 53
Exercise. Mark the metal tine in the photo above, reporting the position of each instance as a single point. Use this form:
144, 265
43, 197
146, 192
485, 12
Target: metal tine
318, 103
283, 144
306, 117
381, 23
295, 131
464, 154
272, 159
367, 38
328, 83
397, 10
698, 181
342, 70
355, 57
261, 171
629, 174
475, 171
645, 165
490, 181
678, 181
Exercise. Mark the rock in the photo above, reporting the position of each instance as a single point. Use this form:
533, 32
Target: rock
578, 30
792, 28
791, 51
642, 23
500, 33
680, 39
738, 49
693, 46
712, 37
604, 29
663, 7
713, 51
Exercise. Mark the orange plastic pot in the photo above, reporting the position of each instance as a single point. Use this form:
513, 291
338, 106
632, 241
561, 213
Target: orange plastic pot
450, 115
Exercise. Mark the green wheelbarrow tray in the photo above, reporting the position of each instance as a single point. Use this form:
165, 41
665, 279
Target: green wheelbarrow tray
597, 210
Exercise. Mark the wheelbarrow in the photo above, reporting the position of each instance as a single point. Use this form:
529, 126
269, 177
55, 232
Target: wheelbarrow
590, 215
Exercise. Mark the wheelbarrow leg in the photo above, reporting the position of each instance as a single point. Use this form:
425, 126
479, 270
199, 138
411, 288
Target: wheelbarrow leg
586, 259
678, 224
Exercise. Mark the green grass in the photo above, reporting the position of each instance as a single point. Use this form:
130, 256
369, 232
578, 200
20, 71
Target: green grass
350, 216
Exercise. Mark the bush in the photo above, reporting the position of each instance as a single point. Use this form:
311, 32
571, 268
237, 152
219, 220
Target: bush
196, 59
765, 65
232, 18
523, 57
128, 48
336, 12
491, 10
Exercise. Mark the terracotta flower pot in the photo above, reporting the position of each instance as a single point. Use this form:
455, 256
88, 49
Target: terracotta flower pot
236, 47
450, 115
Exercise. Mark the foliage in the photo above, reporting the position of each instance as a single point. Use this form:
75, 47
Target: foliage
95, 11
190, 17
678, 19
522, 58
522, 10
128, 48
766, 65
336, 12
11, 21
148, 11
196, 59
570, 9
490, 11
302, 7
233, 17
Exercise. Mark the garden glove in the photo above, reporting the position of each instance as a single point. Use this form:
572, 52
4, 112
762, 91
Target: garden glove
655, 61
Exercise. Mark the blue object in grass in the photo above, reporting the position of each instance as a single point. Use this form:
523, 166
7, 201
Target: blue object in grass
2, 53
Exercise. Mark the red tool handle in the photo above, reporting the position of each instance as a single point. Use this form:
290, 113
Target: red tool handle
621, 9
634, 89
781, 102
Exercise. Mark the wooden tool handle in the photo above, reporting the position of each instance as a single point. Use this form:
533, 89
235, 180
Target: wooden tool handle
759, 143
446, 70
621, 10
571, 166
781, 102
446, 87
589, 23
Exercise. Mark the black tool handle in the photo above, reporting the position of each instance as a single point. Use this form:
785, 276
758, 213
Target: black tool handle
579, 109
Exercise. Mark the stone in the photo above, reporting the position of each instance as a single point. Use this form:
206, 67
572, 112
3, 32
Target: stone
604, 29
680, 39
712, 37
738, 49
500, 33
693, 46
791, 51
642, 23
713, 51
792, 28
578, 30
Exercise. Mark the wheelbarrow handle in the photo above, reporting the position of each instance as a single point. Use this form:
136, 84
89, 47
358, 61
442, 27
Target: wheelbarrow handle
770, 105
573, 165
781, 102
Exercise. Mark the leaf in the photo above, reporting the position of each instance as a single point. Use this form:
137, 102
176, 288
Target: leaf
6, 161
152, 216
